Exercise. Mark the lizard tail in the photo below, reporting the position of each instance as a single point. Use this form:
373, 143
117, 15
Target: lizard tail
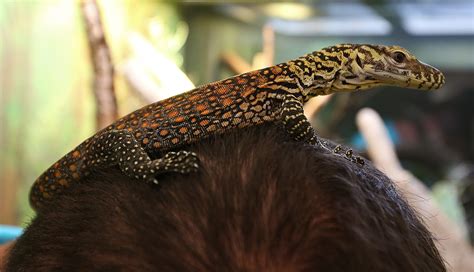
56, 178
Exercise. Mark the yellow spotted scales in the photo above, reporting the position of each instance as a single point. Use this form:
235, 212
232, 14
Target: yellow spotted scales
140, 143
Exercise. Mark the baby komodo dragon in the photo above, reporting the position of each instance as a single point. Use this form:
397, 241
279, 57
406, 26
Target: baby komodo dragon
141, 142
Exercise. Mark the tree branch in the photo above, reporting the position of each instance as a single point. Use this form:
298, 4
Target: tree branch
103, 68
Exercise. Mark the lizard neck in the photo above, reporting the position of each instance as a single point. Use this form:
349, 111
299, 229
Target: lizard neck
316, 72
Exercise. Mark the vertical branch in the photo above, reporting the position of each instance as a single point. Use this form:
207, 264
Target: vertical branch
265, 58
103, 69
268, 50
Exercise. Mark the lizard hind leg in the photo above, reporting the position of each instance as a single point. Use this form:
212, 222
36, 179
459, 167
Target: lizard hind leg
144, 168
183, 162
120, 147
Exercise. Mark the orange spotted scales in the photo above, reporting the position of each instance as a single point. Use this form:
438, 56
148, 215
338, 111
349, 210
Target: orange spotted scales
147, 142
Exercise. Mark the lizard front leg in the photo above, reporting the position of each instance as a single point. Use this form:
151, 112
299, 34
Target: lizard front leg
295, 122
121, 148
300, 129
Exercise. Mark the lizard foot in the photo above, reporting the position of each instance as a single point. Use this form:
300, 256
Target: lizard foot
183, 162
349, 155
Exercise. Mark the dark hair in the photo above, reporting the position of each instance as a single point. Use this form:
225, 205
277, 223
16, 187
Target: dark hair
260, 202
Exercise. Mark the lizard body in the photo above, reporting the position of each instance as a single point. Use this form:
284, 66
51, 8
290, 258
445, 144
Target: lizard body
140, 143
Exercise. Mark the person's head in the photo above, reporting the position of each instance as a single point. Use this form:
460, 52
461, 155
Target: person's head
260, 202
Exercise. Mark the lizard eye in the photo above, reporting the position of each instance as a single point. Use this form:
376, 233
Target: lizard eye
399, 57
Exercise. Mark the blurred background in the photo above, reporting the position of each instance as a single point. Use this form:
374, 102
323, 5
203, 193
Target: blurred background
160, 48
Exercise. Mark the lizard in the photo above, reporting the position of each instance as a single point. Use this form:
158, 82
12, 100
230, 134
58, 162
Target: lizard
146, 142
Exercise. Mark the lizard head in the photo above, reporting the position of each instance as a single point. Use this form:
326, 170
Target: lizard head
367, 66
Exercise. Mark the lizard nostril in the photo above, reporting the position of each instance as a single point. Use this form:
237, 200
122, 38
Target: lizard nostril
359, 61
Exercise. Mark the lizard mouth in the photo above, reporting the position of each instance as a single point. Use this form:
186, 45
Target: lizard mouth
432, 80
424, 84
425, 77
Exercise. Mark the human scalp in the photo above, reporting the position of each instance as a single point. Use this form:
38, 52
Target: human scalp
260, 202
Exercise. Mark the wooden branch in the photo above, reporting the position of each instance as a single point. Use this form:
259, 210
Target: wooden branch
150, 73
451, 241
315, 104
260, 60
236, 63
139, 81
104, 91
265, 58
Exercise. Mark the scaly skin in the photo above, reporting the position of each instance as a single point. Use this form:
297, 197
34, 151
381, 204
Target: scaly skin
140, 142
